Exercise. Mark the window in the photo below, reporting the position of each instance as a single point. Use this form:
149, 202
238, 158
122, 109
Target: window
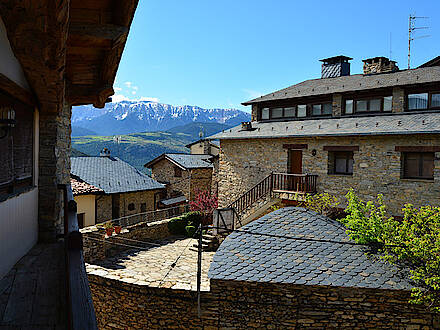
418, 165
177, 172
322, 109
143, 207
289, 112
348, 106
424, 101
302, 110
16, 149
341, 162
276, 113
387, 103
81, 220
265, 113
131, 207
418, 101
369, 105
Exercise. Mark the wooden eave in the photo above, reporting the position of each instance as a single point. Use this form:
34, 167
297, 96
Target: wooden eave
69, 49
97, 35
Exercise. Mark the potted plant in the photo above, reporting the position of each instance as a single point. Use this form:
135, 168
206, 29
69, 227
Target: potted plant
118, 229
108, 228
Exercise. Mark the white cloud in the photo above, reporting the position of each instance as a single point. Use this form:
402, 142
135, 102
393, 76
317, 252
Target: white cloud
118, 89
133, 92
119, 98
135, 88
128, 84
252, 94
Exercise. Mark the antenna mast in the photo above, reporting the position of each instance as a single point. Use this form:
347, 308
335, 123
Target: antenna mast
411, 30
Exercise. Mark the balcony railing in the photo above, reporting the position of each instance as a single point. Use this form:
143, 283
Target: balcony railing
81, 313
275, 183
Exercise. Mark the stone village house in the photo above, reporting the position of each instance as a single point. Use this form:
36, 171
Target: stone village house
123, 190
184, 174
53, 55
375, 132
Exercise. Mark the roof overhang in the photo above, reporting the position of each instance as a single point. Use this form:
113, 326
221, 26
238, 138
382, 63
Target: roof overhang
69, 50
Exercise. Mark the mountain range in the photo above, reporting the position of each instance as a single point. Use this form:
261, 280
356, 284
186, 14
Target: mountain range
128, 117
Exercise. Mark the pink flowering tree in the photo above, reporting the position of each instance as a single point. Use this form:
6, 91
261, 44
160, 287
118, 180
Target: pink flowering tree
205, 203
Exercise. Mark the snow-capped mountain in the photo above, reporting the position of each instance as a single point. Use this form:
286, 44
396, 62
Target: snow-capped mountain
140, 116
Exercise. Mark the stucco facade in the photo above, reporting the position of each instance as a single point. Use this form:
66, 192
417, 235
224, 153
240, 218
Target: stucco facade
86, 204
377, 167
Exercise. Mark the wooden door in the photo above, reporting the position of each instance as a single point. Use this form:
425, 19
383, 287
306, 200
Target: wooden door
294, 167
295, 162
115, 206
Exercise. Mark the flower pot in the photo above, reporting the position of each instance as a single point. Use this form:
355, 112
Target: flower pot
118, 229
109, 231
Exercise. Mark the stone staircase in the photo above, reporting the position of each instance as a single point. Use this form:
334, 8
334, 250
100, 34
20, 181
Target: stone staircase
209, 242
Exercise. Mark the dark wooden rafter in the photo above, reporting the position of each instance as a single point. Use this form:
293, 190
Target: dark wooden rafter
91, 74
17, 91
37, 32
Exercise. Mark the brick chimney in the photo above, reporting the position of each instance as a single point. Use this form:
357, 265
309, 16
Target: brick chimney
379, 65
336, 66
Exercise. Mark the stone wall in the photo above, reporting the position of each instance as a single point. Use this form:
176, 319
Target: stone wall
104, 204
97, 247
245, 305
377, 168
201, 179
191, 180
163, 171
54, 169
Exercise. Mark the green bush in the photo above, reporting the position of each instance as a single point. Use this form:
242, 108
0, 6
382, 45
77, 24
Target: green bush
190, 231
414, 242
321, 203
177, 225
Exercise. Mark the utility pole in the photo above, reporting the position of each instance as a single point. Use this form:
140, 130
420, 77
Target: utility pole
411, 30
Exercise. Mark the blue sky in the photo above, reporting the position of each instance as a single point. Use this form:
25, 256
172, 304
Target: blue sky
217, 54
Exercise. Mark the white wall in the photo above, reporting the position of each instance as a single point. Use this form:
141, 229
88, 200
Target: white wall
18, 228
86, 204
9, 65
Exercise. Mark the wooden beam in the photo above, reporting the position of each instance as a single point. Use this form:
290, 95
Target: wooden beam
37, 32
89, 94
295, 146
98, 31
341, 148
16, 91
417, 148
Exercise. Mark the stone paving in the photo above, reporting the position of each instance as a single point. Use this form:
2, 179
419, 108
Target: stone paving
150, 266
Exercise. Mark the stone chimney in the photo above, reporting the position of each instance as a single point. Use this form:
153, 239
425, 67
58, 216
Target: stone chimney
379, 65
105, 152
335, 66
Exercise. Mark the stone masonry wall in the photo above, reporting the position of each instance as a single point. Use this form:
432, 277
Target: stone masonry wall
54, 169
201, 179
104, 204
245, 305
163, 171
377, 168
97, 247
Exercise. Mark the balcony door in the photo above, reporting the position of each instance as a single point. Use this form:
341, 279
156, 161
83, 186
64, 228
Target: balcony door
294, 166
294, 162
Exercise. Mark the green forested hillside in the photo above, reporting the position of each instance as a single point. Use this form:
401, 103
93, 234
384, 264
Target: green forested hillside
139, 148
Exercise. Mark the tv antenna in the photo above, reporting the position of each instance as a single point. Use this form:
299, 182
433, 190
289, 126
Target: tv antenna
411, 30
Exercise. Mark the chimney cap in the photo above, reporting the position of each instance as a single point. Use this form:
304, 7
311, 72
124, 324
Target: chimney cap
336, 59
378, 59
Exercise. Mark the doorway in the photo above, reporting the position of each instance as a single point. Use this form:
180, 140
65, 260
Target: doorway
294, 166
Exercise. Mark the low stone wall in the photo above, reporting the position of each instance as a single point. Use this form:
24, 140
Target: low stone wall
120, 305
244, 305
97, 247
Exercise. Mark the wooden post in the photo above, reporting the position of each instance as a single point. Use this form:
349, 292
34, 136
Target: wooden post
199, 270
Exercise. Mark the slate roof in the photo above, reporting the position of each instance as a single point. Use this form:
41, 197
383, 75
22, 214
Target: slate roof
185, 161
407, 123
213, 143
172, 201
80, 187
353, 83
111, 174
257, 258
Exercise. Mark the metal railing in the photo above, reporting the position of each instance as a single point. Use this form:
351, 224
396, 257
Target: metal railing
151, 216
275, 182
80, 310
